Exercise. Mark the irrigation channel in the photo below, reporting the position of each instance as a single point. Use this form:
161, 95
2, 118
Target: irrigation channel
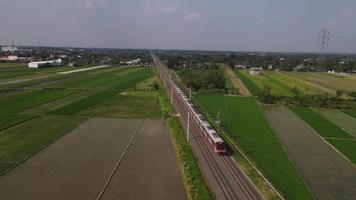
224, 177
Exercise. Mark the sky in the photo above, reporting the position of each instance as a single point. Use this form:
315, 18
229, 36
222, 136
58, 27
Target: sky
237, 25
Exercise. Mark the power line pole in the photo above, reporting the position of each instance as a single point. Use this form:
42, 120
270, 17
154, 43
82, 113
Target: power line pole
190, 92
188, 126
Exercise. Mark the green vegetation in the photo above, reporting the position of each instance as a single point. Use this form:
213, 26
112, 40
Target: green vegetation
209, 77
251, 86
347, 147
194, 182
127, 105
7, 120
22, 102
321, 125
244, 122
19, 142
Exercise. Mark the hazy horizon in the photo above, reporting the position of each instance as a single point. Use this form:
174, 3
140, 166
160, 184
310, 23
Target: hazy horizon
273, 26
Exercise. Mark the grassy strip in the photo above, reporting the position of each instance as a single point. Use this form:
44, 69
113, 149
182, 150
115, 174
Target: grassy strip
193, 180
7, 120
347, 147
351, 113
140, 105
23, 102
84, 103
284, 89
131, 79
244, 122
19, 142
89, 81
321, 125
251, 86
10, 65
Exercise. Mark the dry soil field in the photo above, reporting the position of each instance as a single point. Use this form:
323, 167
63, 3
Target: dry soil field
328, 174
101, 159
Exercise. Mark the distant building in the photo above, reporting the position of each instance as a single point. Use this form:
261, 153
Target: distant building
240, 66
9, 49
132, 62
15, 59
255, 70
49, 63
9, 58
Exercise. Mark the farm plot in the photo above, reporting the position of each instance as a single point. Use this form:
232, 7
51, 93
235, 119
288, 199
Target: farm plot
244, 122
89, 81
21, 102
251, 86
317, 161
292, 82
113, 88
8, 120
21, 141
277, 87
127, 105
79, 165
55, 104
235, 82
11, 65
340, 119
330, 81
328, 130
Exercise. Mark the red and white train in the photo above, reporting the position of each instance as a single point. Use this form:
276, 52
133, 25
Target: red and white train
210, 134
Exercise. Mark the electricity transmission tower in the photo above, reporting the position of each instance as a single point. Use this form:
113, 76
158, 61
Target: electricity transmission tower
324, 40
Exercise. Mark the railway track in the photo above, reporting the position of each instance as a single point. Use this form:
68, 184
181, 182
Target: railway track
224, 177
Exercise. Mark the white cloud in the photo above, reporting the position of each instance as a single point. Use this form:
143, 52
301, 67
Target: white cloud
193, 16
160, 8
92, 4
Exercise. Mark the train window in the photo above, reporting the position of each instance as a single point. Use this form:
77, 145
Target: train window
220, 146
209, 128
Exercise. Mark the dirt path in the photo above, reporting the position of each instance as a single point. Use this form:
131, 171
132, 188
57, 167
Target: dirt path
328, 174
236, 82
79, 164
84, 69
